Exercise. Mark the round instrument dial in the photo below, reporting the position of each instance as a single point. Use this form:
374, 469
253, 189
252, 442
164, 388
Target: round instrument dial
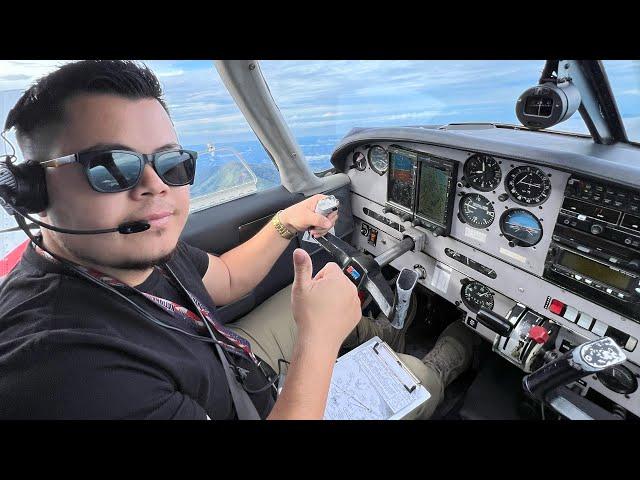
527, 185
482, 172
476, 295
359, 161
619, 379
521, 227
378, 159
476, 210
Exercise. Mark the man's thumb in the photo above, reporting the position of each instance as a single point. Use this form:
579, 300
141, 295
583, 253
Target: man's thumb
302, 267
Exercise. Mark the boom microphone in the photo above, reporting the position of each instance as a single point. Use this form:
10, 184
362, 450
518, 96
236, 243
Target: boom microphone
124, 228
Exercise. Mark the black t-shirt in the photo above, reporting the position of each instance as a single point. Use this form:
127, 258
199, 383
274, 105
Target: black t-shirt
72, 350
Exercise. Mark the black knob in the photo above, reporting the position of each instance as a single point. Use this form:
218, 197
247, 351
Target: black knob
634, 265
502, 197
387, 210
597, 229
438, 231
406, 217
494, 322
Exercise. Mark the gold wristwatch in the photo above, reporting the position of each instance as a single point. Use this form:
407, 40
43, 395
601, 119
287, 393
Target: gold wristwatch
282, 230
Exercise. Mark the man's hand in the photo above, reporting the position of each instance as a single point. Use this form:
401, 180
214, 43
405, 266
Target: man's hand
302, 216
326, 308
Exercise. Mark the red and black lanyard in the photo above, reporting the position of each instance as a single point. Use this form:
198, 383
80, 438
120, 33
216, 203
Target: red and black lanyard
233, 344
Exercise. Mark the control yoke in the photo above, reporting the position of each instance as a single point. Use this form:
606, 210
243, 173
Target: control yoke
366, 272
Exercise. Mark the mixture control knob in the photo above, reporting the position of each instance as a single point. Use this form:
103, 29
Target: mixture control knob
597, 229
539, 334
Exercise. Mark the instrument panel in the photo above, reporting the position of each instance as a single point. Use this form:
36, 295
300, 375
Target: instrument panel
492, 221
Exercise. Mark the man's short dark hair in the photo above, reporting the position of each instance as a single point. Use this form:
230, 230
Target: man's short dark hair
39, 114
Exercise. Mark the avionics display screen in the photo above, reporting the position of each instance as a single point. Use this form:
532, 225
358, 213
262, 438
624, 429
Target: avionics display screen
595, 270
434, 191
401, 184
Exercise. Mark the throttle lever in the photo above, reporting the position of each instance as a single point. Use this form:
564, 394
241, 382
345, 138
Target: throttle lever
590, 357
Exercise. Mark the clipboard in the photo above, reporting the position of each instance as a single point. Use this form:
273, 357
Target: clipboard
371, 383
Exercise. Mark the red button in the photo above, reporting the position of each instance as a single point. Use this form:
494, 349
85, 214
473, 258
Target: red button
557, 307
538, 334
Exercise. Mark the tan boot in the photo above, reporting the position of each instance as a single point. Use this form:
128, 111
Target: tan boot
452, 353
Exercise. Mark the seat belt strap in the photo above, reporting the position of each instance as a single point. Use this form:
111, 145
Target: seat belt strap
245, 409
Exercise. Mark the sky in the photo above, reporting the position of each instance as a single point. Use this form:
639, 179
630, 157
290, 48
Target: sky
330, 97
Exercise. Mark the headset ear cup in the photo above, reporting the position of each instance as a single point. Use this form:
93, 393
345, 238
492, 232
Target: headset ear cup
30, 192
34, 197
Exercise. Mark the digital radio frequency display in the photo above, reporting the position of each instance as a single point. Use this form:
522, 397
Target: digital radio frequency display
595, 270
435, 192
401, 179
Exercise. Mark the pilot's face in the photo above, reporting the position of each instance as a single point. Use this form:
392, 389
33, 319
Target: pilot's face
139, 125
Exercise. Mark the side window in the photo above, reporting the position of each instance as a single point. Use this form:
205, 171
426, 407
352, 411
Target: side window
232, 162
11, 243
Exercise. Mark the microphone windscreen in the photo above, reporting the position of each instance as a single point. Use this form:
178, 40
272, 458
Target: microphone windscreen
133, 227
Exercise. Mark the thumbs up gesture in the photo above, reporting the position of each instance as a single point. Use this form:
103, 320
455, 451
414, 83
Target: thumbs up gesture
326, 307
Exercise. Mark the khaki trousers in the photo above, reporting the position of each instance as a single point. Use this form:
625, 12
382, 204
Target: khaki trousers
271, 330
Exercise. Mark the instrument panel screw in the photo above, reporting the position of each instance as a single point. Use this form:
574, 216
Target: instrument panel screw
252, 66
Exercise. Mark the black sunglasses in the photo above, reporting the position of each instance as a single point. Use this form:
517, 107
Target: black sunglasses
111, 171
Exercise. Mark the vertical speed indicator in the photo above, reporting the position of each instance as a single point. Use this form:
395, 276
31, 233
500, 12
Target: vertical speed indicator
476, 210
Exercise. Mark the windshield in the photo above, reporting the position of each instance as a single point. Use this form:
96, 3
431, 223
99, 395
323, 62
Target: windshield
325, 99
624, 78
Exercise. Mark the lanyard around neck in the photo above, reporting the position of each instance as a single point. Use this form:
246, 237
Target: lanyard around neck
232, 342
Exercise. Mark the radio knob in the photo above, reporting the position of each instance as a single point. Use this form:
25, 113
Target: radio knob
597, 229
634, 265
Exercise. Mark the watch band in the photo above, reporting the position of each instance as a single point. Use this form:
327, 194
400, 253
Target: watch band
280, 228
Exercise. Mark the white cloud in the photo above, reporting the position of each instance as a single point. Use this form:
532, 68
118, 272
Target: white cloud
170, 73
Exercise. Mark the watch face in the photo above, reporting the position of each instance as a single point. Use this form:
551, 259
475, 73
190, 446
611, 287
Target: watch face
482, 172
528, 185
477, 210
476, 295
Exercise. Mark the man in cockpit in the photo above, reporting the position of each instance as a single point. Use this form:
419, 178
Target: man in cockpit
121, 335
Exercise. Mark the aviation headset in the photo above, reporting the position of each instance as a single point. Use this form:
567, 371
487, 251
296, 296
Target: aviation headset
23, 191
